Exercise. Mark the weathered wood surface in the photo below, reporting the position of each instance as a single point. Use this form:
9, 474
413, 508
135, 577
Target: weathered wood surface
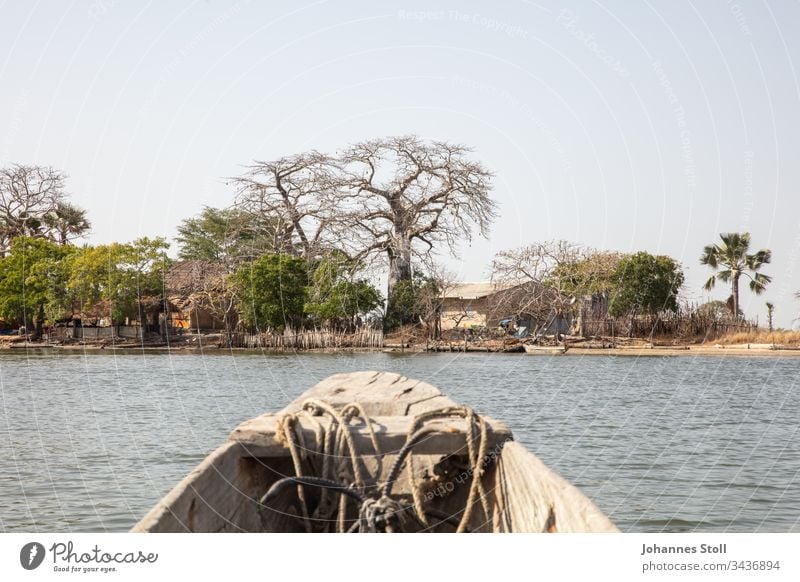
545, 350
379, 393
531, 497
219, 495
258, 436
206, 500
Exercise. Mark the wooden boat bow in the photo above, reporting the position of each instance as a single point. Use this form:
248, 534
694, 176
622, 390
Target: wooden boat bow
368, 419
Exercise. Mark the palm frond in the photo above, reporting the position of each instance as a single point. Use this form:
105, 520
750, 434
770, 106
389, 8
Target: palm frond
710, 256
762, 257
758, 283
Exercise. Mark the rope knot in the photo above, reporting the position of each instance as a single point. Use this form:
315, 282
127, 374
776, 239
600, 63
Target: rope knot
382, 515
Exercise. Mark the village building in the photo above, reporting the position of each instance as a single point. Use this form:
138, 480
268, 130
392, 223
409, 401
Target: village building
469, 305
193, 296
496, 306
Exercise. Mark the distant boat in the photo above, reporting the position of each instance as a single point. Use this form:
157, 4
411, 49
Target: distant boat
545, 350
373, 452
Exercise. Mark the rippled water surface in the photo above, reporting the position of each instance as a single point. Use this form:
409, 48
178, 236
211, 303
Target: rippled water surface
91, 442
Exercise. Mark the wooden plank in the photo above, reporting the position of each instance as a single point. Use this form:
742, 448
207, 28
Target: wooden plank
204, 500
257, 436
379, 393
531, 497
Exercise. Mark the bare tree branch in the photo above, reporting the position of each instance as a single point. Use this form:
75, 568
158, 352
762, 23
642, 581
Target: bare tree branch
33, 203
409, 196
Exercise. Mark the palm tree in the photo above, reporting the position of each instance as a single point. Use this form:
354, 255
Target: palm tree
733, 261
68, 222
770, 313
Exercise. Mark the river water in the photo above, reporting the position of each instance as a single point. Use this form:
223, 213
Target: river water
91, 442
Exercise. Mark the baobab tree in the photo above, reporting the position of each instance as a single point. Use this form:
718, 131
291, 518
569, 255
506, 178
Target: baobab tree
733, 261
402, 197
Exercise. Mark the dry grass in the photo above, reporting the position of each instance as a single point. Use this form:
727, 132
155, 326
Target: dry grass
761, 336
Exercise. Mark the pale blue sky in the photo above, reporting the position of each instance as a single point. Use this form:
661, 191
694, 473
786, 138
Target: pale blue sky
623, 125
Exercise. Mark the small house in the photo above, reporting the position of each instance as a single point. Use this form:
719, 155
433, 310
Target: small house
468, 305
523, 308
195, 291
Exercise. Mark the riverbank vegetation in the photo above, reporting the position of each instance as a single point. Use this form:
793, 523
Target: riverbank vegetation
309, 235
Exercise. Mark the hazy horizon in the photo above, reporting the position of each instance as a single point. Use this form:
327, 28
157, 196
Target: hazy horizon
650, 126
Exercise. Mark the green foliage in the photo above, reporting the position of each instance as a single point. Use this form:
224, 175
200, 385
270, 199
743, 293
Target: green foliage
412, 301
715, 310
646, 284
272, 291
119, 274
732, 260
594, 273
336, 298
227, 235
33, 281
66, 222
400, 310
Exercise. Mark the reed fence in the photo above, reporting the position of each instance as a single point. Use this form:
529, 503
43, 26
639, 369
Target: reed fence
677, 325
308, 339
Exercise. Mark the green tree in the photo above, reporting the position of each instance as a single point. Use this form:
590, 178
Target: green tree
732, 260
592, 272
412, 302
646, 284
401, 307
226, 235
770, 314
338, 298
272, 291
122, 274
33, 279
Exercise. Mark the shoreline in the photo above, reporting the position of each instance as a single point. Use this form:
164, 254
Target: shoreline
736, 350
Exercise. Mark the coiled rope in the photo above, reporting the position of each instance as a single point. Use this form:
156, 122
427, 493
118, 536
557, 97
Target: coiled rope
382, 513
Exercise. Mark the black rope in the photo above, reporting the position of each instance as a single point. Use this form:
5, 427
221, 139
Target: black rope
280, 485
394, 472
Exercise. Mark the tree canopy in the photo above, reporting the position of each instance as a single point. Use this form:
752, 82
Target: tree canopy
33, 203
395, 199
120, 275
337, 297
732, 260
228, 236
272, 291
408, 196
33, 281
548, 277
646, 284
